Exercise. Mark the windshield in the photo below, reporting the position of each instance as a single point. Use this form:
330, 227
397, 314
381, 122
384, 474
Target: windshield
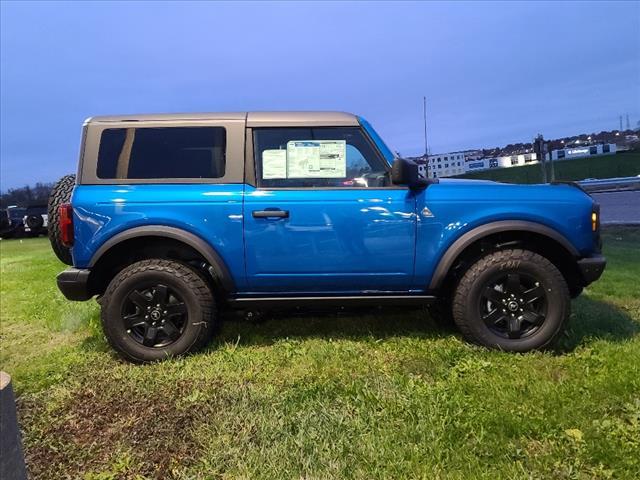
388, 154
17, 213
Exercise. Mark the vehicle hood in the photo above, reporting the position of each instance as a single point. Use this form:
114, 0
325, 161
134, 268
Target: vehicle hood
483, 191
467, 181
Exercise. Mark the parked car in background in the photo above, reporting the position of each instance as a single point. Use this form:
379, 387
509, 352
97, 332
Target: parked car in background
35, 220
174, 217
11, 222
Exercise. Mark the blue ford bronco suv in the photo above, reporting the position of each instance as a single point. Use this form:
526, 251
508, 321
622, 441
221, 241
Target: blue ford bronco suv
172, 218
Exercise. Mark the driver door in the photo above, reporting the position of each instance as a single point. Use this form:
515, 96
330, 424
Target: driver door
323, 217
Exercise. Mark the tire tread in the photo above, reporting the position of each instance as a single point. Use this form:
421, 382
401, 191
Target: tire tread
463, 290
61, 193
184, 273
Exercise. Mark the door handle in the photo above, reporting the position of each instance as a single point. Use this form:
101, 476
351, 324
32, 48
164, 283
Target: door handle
271, 213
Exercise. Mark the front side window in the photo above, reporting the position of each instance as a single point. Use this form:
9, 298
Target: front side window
168, 152
317, 157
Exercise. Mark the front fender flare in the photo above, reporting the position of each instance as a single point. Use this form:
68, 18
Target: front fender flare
202, 247
457, 247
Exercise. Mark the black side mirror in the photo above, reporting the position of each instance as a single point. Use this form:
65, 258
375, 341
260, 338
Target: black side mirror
406, 172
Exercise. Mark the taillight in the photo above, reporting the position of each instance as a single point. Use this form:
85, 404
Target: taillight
65, 211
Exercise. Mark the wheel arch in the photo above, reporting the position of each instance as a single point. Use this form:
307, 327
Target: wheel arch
156, 234
516, 229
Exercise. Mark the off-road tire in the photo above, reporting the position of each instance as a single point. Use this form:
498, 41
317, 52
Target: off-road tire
34, 222
467, 299
61, 193
200, 323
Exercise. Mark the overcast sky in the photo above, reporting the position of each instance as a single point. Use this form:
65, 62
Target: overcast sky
493, 73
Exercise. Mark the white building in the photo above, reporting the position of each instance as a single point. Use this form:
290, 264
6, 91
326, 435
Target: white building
502, 162
445, 164
569, 153
458, 163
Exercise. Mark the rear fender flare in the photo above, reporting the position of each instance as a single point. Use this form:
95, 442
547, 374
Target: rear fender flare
201, 246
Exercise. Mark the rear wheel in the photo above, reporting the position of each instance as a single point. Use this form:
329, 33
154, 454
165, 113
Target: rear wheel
155, 309
61, 193
513, 300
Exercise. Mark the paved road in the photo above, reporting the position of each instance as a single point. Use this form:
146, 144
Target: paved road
619, 207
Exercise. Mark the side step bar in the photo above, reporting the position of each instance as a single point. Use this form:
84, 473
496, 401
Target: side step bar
338, 301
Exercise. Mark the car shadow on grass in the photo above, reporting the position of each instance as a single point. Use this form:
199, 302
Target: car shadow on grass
593, 320
356, 324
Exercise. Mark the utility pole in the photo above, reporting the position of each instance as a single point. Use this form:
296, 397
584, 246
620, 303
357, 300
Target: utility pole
540, 148
620, 122
628, 126
545, 149
424, 112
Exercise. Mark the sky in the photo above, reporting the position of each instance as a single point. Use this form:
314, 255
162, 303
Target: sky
493, 73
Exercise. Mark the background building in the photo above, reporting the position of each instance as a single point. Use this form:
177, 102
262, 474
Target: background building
581, 151
446, 164
458, 163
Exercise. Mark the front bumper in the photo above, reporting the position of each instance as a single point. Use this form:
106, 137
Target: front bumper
591, 268
74, 283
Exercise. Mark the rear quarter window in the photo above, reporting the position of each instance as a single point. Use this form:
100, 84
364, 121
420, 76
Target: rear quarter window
169, 152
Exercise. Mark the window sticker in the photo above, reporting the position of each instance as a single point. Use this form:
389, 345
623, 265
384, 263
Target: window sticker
317, 159
274, 164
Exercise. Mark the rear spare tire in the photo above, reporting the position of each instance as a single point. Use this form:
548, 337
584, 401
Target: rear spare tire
61, 193
35, 222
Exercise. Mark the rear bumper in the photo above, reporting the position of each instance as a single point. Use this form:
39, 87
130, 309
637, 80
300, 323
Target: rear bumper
74, 283
591, 268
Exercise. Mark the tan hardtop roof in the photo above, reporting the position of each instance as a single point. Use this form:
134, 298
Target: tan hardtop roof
253, 119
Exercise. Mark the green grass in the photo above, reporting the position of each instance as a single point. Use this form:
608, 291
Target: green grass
626, 164
359, 396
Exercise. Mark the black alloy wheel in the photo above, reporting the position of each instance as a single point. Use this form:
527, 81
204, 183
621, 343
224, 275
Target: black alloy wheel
513, 305
154, 316
158, 308
514, 300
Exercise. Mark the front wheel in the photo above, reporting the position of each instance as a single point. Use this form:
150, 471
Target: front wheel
155, 309
513, 300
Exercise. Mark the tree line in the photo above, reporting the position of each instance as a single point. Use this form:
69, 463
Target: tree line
27, 195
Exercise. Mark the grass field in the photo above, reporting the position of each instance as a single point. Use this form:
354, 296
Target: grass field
358, 396
626, 164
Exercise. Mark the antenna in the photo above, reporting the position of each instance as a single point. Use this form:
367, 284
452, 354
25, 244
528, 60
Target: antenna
424, 111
